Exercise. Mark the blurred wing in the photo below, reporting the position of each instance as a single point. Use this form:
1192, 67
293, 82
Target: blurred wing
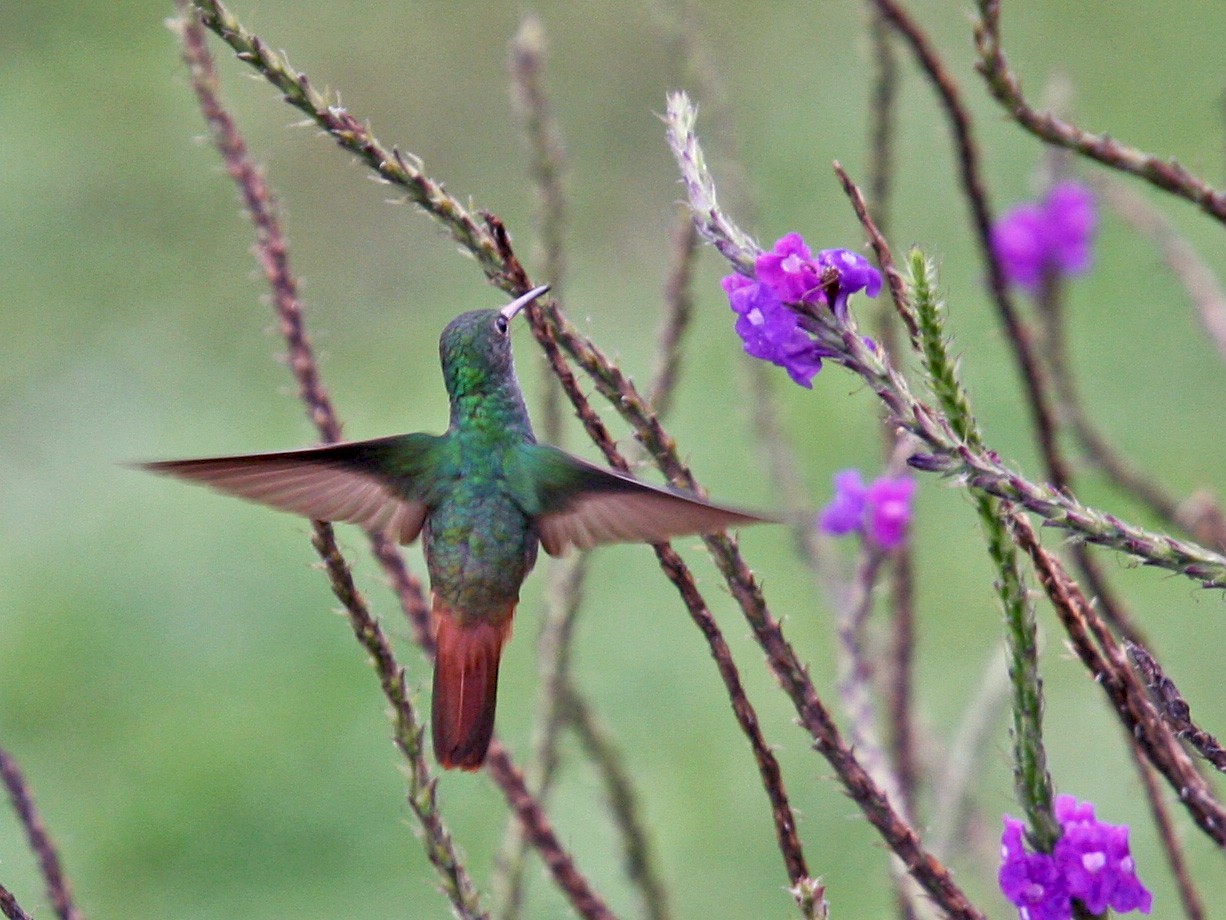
583, 505
376, 484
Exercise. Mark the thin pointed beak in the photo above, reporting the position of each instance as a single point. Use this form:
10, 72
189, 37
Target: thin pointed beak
519, 303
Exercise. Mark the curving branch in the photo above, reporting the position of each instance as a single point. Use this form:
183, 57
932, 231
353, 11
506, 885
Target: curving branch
1005, 86
9, 906
974, 189
1103, 655
58, 891
1175, 709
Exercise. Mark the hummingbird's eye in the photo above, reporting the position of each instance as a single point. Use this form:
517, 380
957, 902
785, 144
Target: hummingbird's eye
501, 323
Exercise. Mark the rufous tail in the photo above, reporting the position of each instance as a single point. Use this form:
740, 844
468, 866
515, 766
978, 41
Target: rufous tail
465, 685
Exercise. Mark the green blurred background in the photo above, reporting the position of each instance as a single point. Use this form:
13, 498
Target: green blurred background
203, 735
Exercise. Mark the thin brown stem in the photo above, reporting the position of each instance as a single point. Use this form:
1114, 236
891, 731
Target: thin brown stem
540, 833
1005, 86
1174, 707
885, 258
678, 308
547, 169
271, 248
624, 804
41, 845
1168, 835
768, 766
9, 906
974, 188
1098, 649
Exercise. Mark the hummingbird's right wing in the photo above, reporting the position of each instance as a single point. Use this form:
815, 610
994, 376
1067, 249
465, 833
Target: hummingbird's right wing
379, 484
582, 505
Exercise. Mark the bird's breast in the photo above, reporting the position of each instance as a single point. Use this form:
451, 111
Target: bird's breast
479, 547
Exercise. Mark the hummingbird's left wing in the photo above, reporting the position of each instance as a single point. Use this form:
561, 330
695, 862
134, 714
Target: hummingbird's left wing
379, 484
581, 505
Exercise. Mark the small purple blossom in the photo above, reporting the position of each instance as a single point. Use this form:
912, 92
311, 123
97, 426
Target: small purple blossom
1032, 881
1096, 860
790, 274
1051, 236
845, 512
770, 330
889, 509
855, 274
1090, 862
1072, 222
881, 511
790, 270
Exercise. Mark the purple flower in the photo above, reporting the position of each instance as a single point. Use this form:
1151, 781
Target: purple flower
1095, 859
1051, 236
855, 274
1032, 881
790, 270
789, 274
882, 511
770, 330
1072, 222
889, 509
1090, 862
1018, 241
845, 512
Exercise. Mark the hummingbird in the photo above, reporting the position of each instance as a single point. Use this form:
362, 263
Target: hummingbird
483, 496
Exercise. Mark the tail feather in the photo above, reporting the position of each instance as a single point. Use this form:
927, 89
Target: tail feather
465, 686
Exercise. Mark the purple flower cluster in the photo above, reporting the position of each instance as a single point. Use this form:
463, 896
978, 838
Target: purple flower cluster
790, 274
1091, 862
881, 511
1051, 236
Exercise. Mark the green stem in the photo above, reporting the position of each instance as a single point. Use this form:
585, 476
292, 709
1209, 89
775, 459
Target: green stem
1032, 781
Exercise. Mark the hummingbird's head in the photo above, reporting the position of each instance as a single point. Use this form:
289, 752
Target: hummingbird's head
475, 348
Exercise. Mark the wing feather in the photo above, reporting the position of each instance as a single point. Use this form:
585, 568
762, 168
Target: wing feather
373, 484
583, 506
